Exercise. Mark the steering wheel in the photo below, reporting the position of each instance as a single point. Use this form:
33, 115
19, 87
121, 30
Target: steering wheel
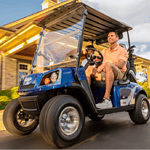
92, 57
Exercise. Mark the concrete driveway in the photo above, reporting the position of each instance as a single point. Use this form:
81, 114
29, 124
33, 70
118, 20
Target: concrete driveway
114, 131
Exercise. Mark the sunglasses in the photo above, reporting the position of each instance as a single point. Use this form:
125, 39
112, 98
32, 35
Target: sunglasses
95, 56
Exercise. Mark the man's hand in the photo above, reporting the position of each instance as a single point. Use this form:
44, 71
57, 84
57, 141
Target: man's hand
91, 71
94, 72
84, 52
100, 68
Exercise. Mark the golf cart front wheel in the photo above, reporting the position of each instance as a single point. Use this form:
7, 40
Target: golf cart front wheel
141, 112
61, 120
16, 121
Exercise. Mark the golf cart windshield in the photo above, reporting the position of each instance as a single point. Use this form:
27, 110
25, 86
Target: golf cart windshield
58, 48
59, 43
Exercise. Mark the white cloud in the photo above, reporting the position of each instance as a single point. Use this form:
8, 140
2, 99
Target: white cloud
145, 55
136, 50
128, 11
116, 4
139, 33
139, 77
143, 47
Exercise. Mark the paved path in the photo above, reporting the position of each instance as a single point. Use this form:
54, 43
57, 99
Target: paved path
115, 131
1, 121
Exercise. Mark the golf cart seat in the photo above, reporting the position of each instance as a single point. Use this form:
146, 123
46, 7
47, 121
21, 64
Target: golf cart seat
129, 76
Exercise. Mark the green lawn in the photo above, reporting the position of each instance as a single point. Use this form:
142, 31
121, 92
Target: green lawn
7, 95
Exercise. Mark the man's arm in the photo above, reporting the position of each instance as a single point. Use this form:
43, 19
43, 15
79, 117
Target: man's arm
122, 59
120, 63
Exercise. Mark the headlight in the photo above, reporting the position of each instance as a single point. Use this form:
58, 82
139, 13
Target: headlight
27, 81
53, 77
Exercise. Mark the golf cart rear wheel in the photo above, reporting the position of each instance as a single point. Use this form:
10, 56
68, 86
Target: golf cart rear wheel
16, 121
140, 114
61, 120
96, 117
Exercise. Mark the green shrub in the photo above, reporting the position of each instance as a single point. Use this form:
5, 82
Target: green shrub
4, 100
7, 95
145, 87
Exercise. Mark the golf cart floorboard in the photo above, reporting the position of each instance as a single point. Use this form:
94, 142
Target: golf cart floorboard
114, 110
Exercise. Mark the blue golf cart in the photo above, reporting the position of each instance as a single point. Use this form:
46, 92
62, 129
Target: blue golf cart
56, 95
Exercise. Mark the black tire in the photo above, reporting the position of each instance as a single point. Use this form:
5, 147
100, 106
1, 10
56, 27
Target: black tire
11, 120
96, 117
50, 119
136, 115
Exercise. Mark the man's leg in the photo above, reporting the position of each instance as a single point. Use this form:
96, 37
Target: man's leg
91, 71
111, 74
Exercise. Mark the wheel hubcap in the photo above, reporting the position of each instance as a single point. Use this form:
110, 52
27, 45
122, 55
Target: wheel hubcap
23, 120
144, 108
69, 120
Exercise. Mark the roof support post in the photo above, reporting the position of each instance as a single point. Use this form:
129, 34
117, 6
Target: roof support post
80, 45
128, 38
36, 52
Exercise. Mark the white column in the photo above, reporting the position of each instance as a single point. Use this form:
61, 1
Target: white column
148, 76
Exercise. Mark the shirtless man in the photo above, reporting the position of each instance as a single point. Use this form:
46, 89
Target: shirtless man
113, 67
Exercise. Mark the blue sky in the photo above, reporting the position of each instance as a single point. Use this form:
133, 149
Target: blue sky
11, 10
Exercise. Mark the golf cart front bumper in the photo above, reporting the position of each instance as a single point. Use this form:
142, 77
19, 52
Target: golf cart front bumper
29, 104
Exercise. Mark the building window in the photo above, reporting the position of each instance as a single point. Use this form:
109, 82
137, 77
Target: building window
23, 67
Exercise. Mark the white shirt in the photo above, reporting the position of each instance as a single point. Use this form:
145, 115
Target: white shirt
84, 62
